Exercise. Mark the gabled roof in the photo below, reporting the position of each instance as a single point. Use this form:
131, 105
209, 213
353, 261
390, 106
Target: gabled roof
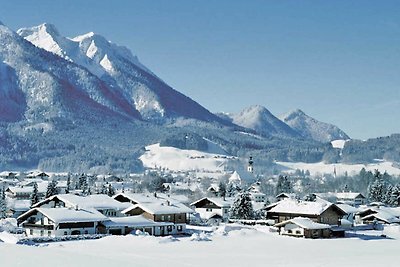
291, 206
217, 201
98, 202
160, 208
304, 223
334, 196
383, 216
64, 215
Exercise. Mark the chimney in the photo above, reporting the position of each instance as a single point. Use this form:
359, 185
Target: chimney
155, 194
76, 207
168, 203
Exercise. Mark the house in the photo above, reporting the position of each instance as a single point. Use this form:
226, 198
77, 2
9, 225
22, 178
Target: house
318, 211
25, 192
304, 227
381, 214
212, 208
17, 207
129, 224
255, 193
54, 222
172, 212
350, 198
104, 204
38, 174
383, 217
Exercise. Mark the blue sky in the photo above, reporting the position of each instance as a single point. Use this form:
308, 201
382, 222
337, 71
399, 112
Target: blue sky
339, 61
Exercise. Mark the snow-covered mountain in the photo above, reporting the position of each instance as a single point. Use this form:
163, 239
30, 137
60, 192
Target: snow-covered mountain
311, 128
261, 120
119, 69
38, 86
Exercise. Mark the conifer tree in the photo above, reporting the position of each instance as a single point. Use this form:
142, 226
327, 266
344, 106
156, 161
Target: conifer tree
221, 189
68, 189
111, 190
394, 196
52, 189
242, 207
283, 185
3, 203
34, 195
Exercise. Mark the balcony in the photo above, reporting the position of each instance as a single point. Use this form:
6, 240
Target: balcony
38, 226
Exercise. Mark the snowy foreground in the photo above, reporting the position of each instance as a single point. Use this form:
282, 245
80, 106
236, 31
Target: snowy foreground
227, 246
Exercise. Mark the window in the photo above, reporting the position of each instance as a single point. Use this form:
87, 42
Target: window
162, 217
169, 228
179, 228
289, 231
65, 233
86, 232
48, 233
31, 231
208, 209
298, 232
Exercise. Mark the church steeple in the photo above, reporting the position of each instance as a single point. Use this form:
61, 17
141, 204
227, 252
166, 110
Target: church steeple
250, 165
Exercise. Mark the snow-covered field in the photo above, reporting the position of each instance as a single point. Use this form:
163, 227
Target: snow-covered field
175, 159
351, 169
240, 247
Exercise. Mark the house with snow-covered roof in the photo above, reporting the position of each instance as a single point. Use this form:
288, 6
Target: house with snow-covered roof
378, 214
102, 203
350, 198
318, 211
303, 227
129, 224
54, 222
213, 208
24, 192
164, 211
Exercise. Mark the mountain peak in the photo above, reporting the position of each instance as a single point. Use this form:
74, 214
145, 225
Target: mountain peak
49, 28
261, 120
311, 128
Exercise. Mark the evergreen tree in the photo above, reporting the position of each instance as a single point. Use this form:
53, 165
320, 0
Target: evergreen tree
222, 189
34, 195
82, 182
394, 196
242, 207
111, 190
52, 189
68, 189
283, 185
3, 203
377, 190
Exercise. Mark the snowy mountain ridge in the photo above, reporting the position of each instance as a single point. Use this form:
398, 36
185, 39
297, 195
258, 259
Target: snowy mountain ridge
120, 70
311, 128
261, 120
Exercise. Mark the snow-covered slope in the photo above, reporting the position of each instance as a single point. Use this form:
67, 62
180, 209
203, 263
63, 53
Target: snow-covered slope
340, 168
119, 69
259, 119
311, 128
175, 159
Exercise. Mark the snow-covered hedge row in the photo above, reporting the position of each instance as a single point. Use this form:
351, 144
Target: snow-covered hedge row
46, 239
